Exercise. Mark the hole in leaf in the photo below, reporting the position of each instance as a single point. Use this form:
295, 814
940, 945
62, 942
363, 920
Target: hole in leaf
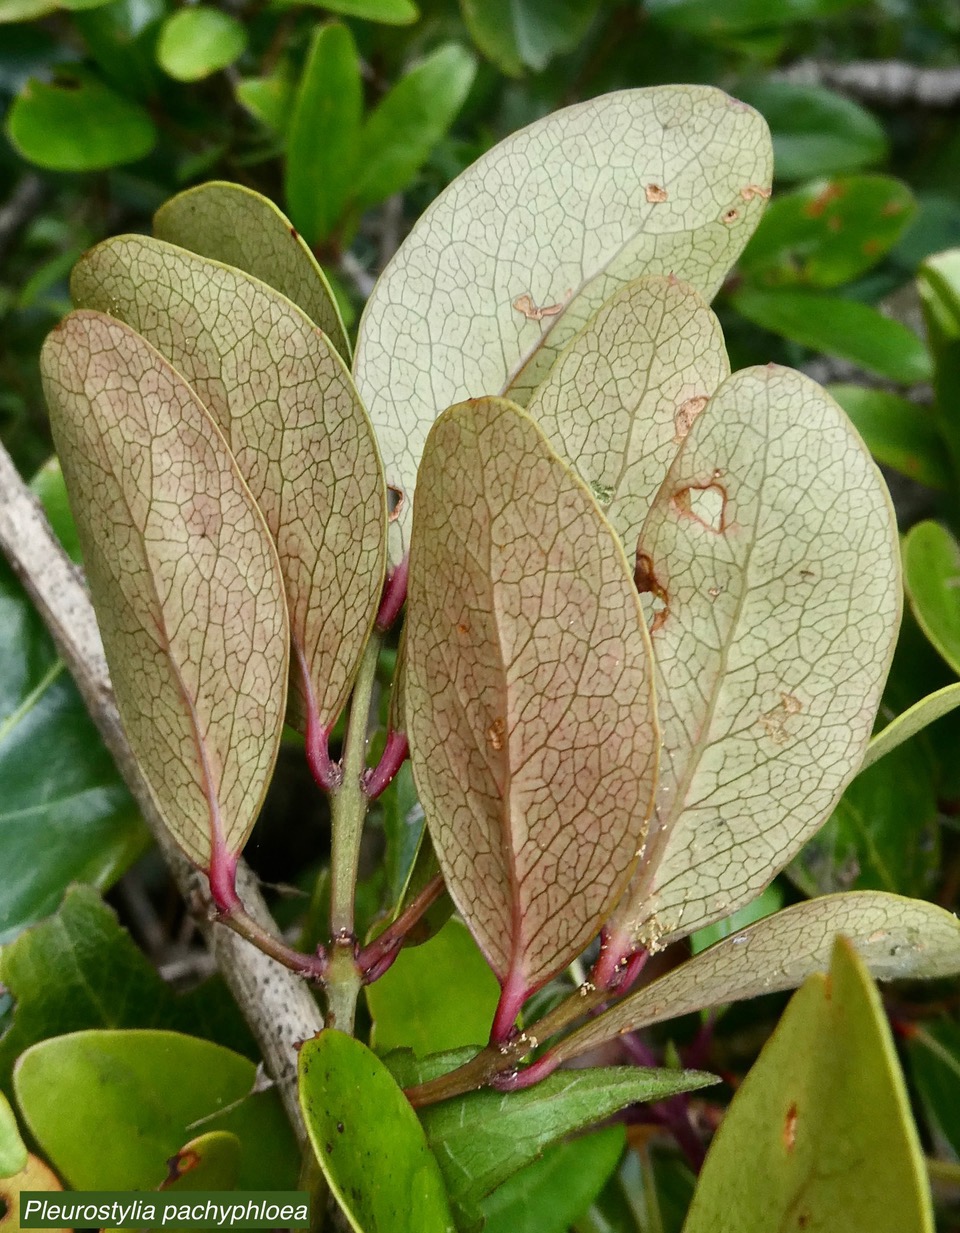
395, 499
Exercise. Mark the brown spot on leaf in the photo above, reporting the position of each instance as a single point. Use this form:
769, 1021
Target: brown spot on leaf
686, 413
816, 207
891, 209
647, 583
774, 721
524, 304
871, 247
655, 193
834, 223
496, 733
463, 627
705, 503
730, 216
807, 575
294, 233
755, 190
180, 1164
790, 1128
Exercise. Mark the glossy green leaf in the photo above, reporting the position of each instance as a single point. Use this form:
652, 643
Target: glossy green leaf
934, 1053
49, 485
482, 1139
121, 36
771, 506
368, 1141
931, 570
529, 694
389, 12
435, 997
549, 1195
184, 578
198, 41
624, 393
76, 123
211, 1161
26, 10
146, 1094
291, 417
103, 980
321, 164
828, 232
845, 328
764, 905
898, 939
524, 33
825, 1121
523, 248
65, 814
883, 834
898, 432
703, 18
816, 132
237, 226
919, 716
408, 122
13, 1153
938, 282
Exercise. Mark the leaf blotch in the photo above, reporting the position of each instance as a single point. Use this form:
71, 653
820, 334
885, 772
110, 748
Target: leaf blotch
705, 503
685, 415
790, 1128
655, 193
524, 304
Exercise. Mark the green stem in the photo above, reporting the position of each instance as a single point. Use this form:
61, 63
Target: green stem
348, 808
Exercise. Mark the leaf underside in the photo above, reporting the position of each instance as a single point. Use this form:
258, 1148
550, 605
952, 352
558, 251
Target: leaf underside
184, 578
528, 691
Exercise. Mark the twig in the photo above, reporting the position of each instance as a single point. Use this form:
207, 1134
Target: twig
884, 83
353, 271
277, 1005
19, 208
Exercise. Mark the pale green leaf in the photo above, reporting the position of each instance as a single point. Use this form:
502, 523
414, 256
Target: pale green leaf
390, 12
913, 720
13, 1153
195, 42
899, 432
321, 164
931, 567
824, 1120
771, 561
898, 939
368, 1140
521, 250
514, 33
624, 393
287, 406
184, 578
529, 698
237, 226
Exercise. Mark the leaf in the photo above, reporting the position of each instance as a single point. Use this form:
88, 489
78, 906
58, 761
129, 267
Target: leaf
482, 1139
13, 1153
198, 41
184, 578
238, 227
938, 283
270, 99
898, 939
764, 905
435, 997
48, 484
554, 1192
934, 1053
65, 815
919, 716
829, 232
321, 164
899, 433
408, 122
291, 417
816, 132
657, 181
825, 1120
529, 702
625, 391
518, 33
845, 328
931, 568
121, 37
390, 12
143, 1093
702, 18
103, 980
771, 556
76, 123
209, 1162
883, 834
368, 1140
